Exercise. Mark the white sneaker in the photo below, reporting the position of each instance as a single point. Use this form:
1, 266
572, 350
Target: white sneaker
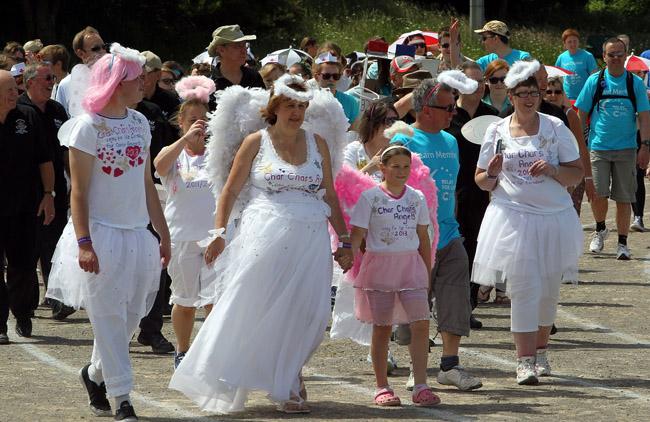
542, 367
623, 252
598, 241
637, 225
391, 362
460, 378
410, 383
526, 374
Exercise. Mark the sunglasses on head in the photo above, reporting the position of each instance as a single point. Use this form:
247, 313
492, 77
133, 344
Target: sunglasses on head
494, 80
553, 91
448, 108
98, 48
328, 76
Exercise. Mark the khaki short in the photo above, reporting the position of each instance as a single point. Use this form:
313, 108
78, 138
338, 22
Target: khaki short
614, 174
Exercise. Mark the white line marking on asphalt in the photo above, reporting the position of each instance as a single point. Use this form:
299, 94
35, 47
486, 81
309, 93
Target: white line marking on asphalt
604, 330
368, 392
60, 365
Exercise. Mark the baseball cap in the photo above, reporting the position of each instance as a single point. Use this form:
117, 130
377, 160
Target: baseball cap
17, 69
402, 64
496, 27
152, 61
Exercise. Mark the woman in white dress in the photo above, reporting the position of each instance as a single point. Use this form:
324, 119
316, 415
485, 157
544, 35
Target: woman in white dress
274, 276
530, 236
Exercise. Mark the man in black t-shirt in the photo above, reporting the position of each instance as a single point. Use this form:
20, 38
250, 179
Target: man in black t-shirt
167, 101
229, 44
39, 82
162, 132
26, 189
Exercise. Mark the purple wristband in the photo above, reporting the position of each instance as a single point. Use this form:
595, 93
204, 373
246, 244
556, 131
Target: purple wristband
85, 239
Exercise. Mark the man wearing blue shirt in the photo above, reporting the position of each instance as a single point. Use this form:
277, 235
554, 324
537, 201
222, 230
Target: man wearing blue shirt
496, 38
612, 141
578, 61
327, 73
435, 106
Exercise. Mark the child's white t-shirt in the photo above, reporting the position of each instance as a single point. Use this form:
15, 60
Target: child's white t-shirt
391, 222
116, 193
190, 206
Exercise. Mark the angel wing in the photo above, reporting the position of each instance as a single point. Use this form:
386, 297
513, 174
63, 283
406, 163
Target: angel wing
325, 118
237, 116
79, 81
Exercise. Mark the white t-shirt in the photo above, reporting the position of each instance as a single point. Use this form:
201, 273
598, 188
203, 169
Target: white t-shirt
116, 195
516, 188
391, 222
355, 156
62, 92
190, 204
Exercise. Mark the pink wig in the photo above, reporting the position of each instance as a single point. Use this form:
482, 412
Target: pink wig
121, 64
195, 87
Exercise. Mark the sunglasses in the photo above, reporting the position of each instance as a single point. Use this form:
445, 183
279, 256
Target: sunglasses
388, 121
328, 76
526, 94
553, 91
419, 45
494, 80
487, 37
448, 108
98, 48
615, 55
49, 78
445, 45
167, 81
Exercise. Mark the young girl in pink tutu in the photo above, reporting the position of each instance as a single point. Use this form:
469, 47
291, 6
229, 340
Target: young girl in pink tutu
392, 285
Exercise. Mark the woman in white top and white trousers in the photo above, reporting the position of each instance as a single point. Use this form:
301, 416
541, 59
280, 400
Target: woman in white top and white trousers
530, 237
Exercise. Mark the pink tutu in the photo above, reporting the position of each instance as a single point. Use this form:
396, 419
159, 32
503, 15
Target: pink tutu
391, 288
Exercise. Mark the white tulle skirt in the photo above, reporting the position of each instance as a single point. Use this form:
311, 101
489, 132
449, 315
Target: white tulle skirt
129, 271
522, 248
344, 323
270, 312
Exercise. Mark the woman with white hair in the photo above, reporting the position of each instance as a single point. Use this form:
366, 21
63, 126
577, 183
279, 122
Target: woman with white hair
530, 237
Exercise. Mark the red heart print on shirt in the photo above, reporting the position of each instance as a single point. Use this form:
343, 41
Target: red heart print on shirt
132, 152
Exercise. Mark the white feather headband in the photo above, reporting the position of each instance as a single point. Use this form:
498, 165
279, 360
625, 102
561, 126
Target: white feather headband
281, 87
458, 80
520, 71
127, 54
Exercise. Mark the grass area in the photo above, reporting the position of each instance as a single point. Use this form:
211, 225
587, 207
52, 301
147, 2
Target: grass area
350, 26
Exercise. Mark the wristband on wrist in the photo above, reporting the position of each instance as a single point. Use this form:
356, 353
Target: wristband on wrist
344, 236
84, 240
490, 177
645, 142
345, 245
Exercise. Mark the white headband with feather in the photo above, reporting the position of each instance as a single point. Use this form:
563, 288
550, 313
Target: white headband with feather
281, 87
458, 80
520, 71
128, 54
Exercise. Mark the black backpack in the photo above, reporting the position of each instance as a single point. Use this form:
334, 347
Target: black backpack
600, 87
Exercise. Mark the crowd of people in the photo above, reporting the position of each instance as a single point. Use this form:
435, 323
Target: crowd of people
110, 172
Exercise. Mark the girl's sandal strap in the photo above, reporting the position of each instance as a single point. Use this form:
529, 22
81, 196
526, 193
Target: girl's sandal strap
386, 397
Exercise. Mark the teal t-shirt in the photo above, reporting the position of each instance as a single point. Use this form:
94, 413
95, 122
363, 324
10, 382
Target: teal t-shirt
506, 104
583, 64
613, 122
510, 58
439, 152
350, 105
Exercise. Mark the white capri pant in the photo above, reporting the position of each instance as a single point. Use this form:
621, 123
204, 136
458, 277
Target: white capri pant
189, 273
532, 306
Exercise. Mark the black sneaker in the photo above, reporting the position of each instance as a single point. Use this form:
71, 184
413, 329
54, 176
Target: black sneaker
553, 329
178, 357
159, 344
474, 323
61, 311
24, 327
125, 412
97, 400
4, 338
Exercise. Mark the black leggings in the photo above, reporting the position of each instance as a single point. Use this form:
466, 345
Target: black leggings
639, 205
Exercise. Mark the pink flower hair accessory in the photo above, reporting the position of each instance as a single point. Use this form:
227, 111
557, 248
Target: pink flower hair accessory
195, 87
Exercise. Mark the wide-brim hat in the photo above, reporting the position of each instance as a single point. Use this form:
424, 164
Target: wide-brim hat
227, 35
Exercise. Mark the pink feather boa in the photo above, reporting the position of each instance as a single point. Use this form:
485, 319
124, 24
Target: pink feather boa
351, 183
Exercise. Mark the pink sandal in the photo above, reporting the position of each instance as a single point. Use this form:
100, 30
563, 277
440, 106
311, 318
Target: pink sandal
424, 397
386, 397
